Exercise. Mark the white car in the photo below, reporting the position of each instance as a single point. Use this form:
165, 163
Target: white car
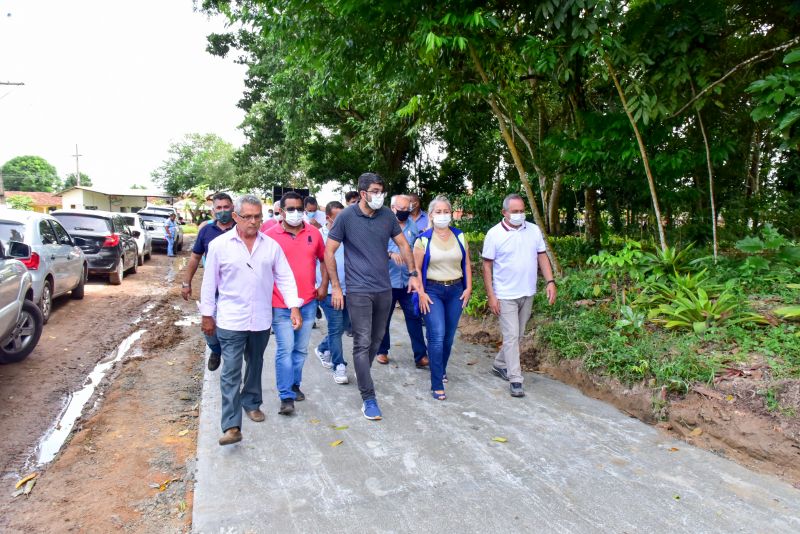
143, 238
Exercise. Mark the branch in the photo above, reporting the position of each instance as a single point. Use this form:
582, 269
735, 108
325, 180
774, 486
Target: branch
761, 56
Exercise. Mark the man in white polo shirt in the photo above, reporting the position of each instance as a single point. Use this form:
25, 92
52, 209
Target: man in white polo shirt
509, 274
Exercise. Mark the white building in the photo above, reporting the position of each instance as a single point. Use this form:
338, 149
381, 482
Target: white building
123, 200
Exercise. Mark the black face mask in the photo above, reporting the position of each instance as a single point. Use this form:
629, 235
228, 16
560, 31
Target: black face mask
402, 216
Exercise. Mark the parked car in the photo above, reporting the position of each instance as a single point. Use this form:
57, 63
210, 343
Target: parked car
107, 242
157, 220
164, 210
20, 319
56, 264
144, 240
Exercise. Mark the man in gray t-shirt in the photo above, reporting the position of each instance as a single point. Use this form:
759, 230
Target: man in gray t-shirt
365, 228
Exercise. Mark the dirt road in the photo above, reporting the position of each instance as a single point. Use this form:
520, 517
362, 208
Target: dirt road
123, 466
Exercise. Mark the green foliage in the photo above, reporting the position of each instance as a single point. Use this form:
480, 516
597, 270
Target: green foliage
788, 312
30, 173
695, 310
204, 161
777, 98
631, 321
71, 181
21, 202
572, 251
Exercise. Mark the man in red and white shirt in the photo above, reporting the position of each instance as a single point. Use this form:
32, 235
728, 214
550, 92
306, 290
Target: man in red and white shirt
512, 250
242, 268
303, 246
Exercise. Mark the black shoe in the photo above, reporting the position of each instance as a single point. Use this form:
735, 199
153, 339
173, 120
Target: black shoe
298, 395
287, 407
516, 390
502, 373
213, 361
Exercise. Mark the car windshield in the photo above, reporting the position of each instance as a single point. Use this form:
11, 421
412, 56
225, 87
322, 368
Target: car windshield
152, 218
12, 231
86, 223
130, 221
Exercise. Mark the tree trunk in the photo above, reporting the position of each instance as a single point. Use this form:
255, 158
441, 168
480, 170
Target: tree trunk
645, 160
552, 207
523, 175
710, 182
592, 217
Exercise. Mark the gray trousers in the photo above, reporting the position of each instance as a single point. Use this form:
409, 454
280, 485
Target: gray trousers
514, 315
368, 315
237, 346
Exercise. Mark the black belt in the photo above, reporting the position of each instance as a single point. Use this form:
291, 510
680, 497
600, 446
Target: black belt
446, 282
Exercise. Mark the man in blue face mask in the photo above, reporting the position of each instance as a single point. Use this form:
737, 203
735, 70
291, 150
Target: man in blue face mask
223, 221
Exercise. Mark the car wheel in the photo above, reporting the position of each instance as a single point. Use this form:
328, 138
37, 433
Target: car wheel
149, 252
140, 259
46, 302
115, 278
77, 291
25, 336
135, 263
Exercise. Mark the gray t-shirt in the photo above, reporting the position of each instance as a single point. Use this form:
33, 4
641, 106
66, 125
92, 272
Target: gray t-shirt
365, 267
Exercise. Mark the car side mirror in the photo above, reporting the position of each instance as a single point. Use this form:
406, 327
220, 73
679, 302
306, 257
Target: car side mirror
136, 233
19, 250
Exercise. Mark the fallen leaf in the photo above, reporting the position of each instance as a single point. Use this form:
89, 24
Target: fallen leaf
29, 486
676, 497
472, 362
674, 449
314, 421
170, 363
183, 432
729, 398
154, 485
18, 492
696, 432
499, 439
337, 442
24, 479
343, 427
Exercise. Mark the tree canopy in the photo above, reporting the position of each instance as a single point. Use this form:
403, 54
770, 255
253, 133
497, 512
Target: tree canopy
665, 117
30, 173
198, 160
70, 180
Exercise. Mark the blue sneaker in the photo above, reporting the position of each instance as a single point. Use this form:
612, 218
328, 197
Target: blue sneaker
371, 411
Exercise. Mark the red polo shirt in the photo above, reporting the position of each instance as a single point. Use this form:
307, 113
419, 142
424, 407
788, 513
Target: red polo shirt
267, 225
302, 250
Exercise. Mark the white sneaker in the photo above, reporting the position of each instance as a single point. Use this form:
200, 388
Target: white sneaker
324, 358
340, 374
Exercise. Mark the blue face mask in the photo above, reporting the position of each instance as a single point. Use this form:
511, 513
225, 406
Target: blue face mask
224, 216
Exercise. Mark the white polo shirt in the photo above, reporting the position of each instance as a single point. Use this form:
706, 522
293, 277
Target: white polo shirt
515, 253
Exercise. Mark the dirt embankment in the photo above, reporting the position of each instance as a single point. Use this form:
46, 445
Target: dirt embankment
731, 418
128, 464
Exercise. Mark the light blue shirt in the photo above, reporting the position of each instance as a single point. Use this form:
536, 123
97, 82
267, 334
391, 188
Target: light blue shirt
339, 263
399, 273
421, 222
172, 228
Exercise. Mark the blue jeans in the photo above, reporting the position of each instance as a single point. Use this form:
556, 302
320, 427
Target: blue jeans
336, 324
292, 347
213, 343
170, 244
413, 324
440, 324
236, 345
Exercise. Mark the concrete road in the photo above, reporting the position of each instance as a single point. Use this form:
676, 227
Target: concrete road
570, 463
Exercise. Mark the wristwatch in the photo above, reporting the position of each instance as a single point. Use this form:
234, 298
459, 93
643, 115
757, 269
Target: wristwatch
413, 273
185, 284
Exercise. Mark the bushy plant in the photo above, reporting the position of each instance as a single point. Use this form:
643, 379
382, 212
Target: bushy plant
695, 310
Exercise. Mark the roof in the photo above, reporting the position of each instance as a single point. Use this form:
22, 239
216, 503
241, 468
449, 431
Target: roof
127, 192
95, 213
10, 214
40, 198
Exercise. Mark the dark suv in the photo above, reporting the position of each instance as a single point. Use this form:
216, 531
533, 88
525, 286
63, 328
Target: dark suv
107, 242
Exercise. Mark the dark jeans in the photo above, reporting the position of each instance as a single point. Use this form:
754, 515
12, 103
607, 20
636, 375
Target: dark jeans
368, 314
440, 324
337, 320
235, 346
413, 324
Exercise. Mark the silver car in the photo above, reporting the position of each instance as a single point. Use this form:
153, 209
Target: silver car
20, 320
56, 265
155, 221
144, 238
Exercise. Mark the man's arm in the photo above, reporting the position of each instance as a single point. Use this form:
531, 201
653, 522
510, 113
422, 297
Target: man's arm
337, 299
191, 269
494, 305
208, 292
547, 272
414, 283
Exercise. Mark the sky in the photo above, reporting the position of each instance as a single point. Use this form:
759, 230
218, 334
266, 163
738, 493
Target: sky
122, 80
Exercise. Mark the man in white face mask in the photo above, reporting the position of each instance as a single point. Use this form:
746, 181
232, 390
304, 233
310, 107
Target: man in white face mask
512, 251
364, 229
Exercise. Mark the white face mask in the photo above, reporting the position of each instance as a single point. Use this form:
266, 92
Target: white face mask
516, 219
442, 220
377, 200
279, 217
294, 218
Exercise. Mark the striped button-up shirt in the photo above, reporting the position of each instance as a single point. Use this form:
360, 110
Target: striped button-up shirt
243, 281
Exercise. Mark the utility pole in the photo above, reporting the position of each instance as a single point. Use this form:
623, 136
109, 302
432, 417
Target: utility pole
2, 190
77, 166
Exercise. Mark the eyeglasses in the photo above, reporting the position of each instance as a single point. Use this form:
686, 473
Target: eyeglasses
373, 192
292, 209
251, 218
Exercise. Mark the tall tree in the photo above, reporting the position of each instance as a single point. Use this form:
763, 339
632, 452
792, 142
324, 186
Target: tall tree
197, 160
70, 180
30, 173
